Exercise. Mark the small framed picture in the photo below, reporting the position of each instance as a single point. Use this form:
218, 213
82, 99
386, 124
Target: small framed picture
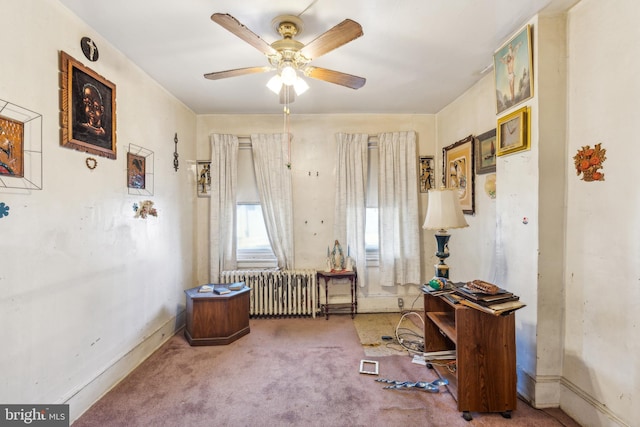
136, 167
140, 171
513, 132
512, 65
457, 167
427, 171
486, 152
88, 101
20, 147
204, 178
11, 147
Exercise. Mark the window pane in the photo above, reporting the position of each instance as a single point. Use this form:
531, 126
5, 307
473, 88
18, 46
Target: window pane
371, 230
251, 231
247, 187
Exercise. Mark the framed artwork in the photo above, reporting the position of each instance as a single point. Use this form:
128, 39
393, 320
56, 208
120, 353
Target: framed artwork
427, 171
512, 65
136, 167
486, 152
20, 147
457, 167
203, 182
88, 102
11, 147
140, 171
513, 132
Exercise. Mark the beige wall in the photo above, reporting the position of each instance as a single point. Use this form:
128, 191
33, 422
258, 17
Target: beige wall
575, 263
313, 164
602, 273
88, 291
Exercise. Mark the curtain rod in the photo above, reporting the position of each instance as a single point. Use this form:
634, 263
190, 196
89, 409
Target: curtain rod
245, 140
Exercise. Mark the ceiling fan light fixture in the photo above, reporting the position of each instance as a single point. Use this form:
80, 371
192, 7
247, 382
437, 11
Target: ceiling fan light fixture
300, 86
275, 84
288, 75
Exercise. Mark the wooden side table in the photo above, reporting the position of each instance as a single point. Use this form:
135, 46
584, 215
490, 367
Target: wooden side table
214, 319
328, 276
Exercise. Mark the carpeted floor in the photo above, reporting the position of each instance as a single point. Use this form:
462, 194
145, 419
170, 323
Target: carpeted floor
285, 372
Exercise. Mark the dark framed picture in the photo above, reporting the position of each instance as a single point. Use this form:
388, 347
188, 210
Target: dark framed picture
140, 171
88, 102
512, 65
486, 152
457, 167
204, 178
513, 132
427, 171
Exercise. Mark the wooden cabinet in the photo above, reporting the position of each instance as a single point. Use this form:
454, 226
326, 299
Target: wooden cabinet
216, 319
483, 378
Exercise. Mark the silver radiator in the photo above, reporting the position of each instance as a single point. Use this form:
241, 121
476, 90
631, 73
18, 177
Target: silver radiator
278, 293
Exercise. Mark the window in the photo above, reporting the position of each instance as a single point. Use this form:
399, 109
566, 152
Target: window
252, 242
253, 248
371, 232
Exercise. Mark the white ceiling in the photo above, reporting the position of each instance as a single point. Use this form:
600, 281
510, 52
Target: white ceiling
417, 55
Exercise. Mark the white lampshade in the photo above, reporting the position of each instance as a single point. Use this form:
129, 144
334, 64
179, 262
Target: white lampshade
300, 86
275, 84
288, 75
444, 211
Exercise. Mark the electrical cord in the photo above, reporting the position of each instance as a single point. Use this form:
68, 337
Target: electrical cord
409, 339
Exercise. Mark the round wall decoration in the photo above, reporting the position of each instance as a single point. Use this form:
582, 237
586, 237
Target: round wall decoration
89, 49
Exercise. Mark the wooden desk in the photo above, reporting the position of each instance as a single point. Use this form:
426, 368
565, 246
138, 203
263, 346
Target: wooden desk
328, 276
214, 319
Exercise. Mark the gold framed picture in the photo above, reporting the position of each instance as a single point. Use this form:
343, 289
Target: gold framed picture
513, 132
88, 103
458, 171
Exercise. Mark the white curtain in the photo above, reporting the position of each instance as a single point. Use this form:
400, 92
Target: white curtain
222, 208
350, 206
273, 177
399, 228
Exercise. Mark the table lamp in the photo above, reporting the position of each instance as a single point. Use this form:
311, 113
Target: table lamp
443, 212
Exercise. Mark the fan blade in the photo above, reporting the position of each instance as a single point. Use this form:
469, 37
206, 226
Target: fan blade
339, 35
237, 72
354, 82
233, 25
